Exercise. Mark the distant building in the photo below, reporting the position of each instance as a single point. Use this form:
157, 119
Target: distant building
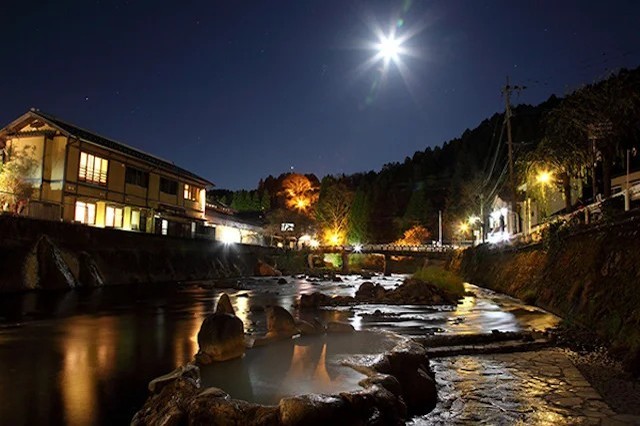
226, 225
619, 183
503, 223
87, 178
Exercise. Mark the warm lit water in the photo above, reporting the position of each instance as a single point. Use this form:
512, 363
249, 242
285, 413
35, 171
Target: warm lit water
86, 357
304, 365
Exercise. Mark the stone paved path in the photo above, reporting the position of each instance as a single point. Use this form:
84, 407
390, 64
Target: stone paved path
525, 388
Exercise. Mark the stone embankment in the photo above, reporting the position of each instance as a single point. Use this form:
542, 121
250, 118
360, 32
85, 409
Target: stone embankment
45, 255
588, 276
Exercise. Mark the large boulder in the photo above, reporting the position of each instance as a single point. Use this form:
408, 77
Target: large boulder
416, 292
263, 269
314, 300
314, 410
280, 323
214, 407
170, 396
224, 305
409, 364
339, 327
370, 292
375, 406
221, 337
309, 329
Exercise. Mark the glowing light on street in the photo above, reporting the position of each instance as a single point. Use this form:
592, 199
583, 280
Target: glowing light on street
333, 237
464, 227
544, 177
357, 248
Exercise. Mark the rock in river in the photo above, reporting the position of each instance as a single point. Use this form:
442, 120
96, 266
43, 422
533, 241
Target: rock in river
224, 305
280, 323
262, 269
308, 329
369, 292
221, 337
339, 327
312, 410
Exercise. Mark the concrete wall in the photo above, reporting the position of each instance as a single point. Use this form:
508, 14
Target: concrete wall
590, 277
120, 257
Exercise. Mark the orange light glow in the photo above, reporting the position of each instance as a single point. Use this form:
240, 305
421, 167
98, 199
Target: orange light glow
300, 203
300, 193
333, 237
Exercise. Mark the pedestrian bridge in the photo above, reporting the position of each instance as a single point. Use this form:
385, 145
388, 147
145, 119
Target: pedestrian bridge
431, 251
391, 249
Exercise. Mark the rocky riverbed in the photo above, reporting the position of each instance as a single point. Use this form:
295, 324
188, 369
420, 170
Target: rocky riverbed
396, 380
96, 351
539, 387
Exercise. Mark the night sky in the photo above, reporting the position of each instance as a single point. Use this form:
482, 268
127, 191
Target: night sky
238, 90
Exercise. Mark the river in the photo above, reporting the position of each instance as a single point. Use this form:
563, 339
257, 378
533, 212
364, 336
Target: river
85, 357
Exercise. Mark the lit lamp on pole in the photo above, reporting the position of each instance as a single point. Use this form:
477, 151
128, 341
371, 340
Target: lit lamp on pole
544, 177
464, 228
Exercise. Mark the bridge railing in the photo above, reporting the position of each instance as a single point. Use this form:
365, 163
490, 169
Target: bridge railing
372, 248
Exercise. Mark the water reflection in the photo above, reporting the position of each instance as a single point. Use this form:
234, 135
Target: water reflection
89, 350
304, 365
86, 357
481, 313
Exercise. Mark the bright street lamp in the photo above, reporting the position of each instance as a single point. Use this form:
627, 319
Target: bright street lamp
544, 177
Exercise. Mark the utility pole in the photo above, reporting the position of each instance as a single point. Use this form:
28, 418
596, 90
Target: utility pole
440, 228
482, 217
506, 90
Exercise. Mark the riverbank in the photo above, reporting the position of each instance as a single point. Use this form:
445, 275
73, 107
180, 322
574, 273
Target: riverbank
538, 387
45, 255
590, 277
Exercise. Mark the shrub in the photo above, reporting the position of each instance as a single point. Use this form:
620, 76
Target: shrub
441, 278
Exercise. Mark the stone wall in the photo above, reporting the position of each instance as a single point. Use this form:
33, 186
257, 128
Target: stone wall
589, 276
36, 254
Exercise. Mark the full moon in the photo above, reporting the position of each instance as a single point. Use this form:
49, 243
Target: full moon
389, 48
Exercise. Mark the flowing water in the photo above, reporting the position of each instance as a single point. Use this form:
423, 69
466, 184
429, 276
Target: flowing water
85, 357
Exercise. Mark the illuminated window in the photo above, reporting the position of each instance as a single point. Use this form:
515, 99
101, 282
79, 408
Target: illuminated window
191, 192
119, 217
168, 186
135, 220
85, 213
287, 227
113, 217
165, 227
93, 169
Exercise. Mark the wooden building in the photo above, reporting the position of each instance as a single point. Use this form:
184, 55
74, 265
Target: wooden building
87, 178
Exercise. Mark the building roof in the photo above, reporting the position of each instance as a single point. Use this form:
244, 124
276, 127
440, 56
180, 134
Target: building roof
217, 217
91, 137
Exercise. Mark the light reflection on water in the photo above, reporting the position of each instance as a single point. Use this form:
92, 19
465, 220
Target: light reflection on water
299, 366
86, 357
